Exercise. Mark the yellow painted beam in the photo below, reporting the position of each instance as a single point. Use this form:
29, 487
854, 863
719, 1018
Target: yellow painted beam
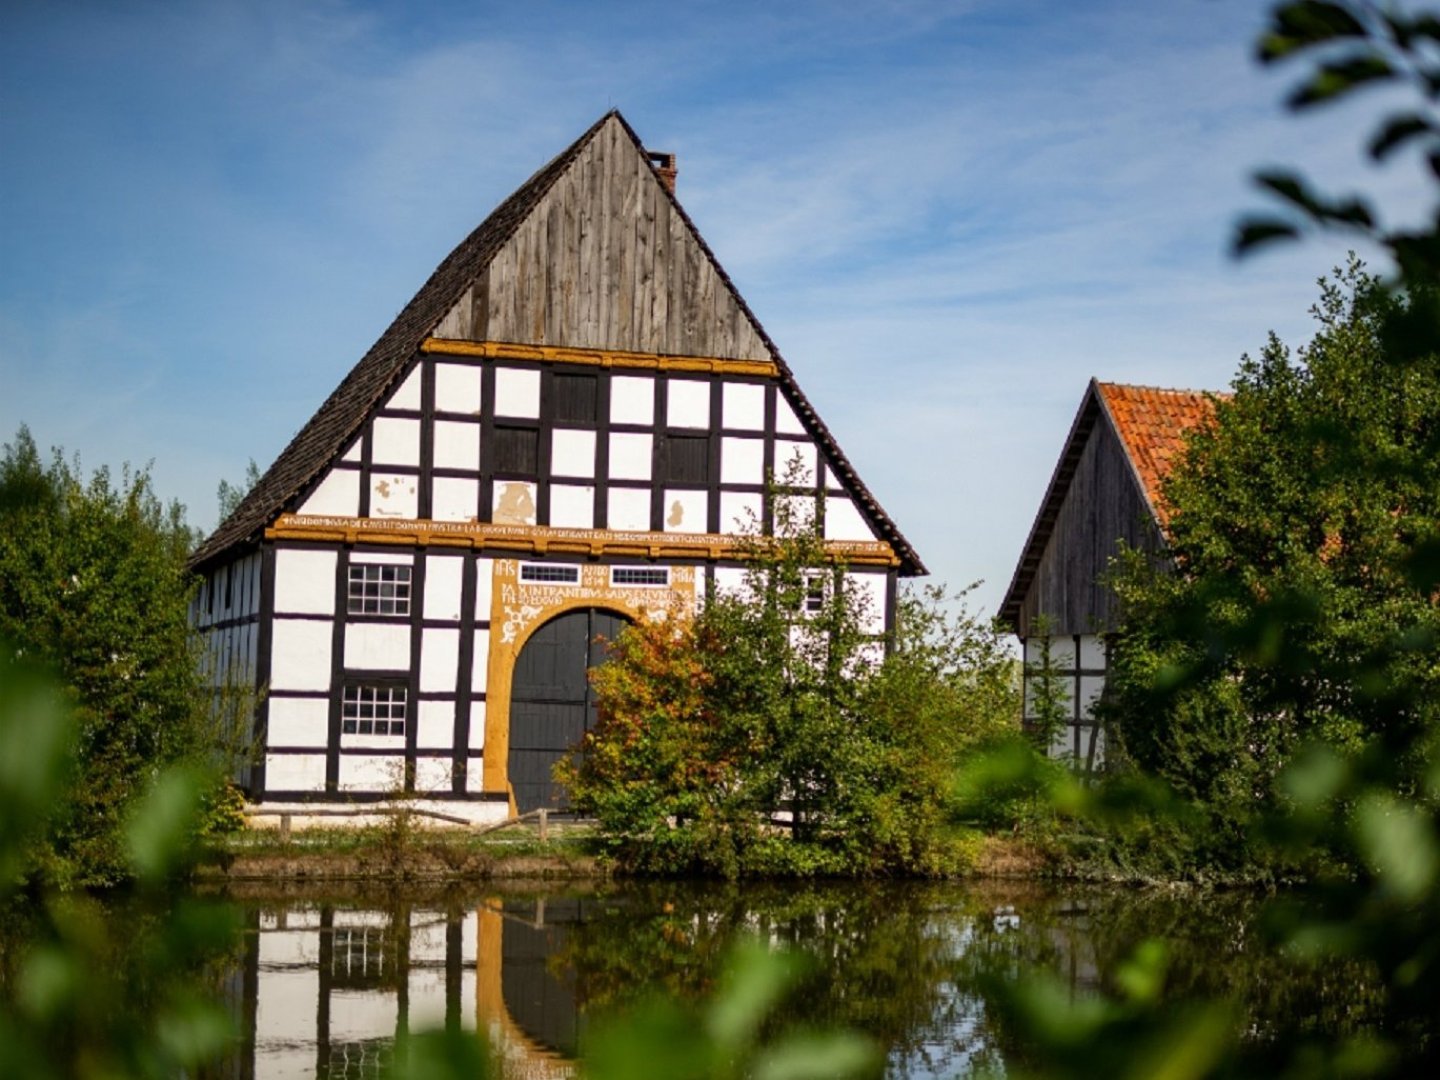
606, 358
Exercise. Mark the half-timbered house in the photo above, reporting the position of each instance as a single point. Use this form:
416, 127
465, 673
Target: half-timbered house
1105, 492
566, 428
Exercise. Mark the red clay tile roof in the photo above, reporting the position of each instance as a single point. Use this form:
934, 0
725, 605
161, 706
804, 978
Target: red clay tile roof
1152, 423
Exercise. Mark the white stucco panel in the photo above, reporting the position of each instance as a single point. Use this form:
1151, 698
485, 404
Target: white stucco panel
632, 399
517, 392
740, 511
868, 593
513, 503
394, 495
743, 406
432, 774
457, 445
742, 461
480, 662
297, 722
687, 404
786, 421
630, 455
304, 582
477, 730
371, 772
684, 511
407, 394
295, 772
435, 725
395, 440
454, 498
1092, 652
338, 495
439, 659
629, 509
300, 654
484, 578
572, 453
795, 462
843, 521
572, 506
457, 388
444, 578
377, 646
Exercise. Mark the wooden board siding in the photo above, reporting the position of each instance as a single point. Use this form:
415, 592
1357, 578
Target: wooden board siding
607, 262
1103, 505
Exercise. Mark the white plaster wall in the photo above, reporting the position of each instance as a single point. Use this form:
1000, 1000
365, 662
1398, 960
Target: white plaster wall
1062, 652
629, 509
427, 996
444, 578
743, 406
572, 506
285, 1011
1091, 687
687, 404
457, 445
407, 394
500, 493
475, 777
1092, 651
843, 521
300, 654
382, 558
435, 725
298, 722
304, 582
632, 399
394, 495
800, 510
377, 646
395, 440
439, 659
517, 392
795, 462
484, 579
480, 661
740, 511
572, 453
867, 592
730, 580
684, 511
631, 453
742, 461
295, 772
354, 453
477, 727
337, 496
454, 498
371, 772
290, 948
457, 388
786, 422
832, 482
432, 774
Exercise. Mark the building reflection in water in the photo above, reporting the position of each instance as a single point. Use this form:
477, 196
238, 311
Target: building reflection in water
326, 989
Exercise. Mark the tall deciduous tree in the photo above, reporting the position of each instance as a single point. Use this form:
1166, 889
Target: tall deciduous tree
93, 582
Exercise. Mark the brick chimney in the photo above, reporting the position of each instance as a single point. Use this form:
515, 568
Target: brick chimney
664, 166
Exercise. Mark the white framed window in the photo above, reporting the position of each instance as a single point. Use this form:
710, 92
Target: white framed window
378, 589
549, 574
374, 709
645, 577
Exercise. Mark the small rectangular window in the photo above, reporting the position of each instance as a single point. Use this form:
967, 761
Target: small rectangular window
516, 450
575, 397
548, 574
373, 709
378, 589
687, 459
645, 576
817, 586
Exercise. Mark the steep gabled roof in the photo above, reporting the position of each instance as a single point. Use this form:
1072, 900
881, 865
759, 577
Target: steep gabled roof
1150, 424
340, 418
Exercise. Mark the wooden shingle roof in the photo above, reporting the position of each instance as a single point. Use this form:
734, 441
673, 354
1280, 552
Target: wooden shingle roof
340, 418
1150, 424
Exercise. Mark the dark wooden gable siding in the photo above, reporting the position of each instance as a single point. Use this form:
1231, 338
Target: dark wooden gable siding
606, 261
1103, 505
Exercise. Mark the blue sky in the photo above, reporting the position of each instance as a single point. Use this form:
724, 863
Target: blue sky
948, 215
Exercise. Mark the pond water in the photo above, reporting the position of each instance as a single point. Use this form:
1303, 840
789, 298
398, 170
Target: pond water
323, 983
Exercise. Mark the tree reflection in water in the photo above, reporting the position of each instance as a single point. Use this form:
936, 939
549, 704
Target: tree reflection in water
326, 986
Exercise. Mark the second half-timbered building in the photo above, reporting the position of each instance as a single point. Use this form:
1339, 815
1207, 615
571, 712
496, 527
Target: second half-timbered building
1105, 493
566, 428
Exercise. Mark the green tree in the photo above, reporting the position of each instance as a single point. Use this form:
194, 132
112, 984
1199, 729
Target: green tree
1300, 501
93, 582
229, 496
772, 734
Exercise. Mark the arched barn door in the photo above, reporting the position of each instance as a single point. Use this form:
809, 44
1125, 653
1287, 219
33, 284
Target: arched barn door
551, 703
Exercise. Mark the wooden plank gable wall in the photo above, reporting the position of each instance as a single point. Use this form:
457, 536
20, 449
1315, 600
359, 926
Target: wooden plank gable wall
606, 261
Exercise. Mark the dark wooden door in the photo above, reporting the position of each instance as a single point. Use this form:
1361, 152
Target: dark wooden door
551, 703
